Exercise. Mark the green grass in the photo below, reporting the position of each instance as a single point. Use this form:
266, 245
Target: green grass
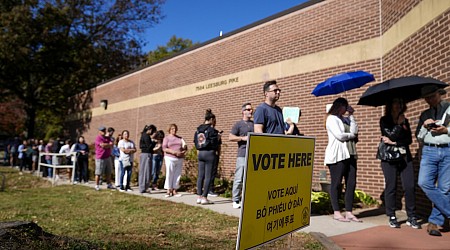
115, 220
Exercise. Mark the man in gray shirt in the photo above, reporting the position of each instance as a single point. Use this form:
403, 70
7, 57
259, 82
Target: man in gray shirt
433, 131
239, 134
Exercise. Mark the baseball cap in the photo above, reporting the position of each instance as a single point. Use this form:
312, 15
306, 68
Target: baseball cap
101, 128
431, 89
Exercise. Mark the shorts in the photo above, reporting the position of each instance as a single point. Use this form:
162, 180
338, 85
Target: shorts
103, 166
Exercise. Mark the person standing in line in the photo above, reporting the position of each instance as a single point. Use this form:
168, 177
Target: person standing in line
215, 168
396, 131
22, 155
337, 158
48, 158
103, 146
82, 150
157, 158
116, 154
268, 117
145, 162
238, 134
206, 140
110, 133
126, 158
174, 148
433, 132
41, 149
67, 160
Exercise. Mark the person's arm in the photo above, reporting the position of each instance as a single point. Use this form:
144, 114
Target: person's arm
290, 130
333, 126
258, 128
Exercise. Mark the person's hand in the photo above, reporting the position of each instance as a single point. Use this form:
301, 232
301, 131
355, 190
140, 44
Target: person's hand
289, 121
386, 140
439, 130
401, 119
427, 122
350, 110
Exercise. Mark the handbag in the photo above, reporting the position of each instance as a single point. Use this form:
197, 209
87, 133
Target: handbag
388, 152
126, 162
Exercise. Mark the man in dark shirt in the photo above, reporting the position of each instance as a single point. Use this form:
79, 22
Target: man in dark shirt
268, 117
239, 134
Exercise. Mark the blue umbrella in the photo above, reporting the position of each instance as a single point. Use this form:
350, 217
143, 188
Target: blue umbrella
342, 82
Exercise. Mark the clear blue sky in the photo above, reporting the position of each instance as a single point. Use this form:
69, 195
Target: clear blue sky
202, 20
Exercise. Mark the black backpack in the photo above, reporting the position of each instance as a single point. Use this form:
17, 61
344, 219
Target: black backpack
206, 139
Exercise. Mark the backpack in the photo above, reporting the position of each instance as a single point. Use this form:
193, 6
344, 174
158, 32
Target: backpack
205, 139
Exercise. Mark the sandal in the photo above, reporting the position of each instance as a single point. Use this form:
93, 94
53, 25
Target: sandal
354, 219
341, 219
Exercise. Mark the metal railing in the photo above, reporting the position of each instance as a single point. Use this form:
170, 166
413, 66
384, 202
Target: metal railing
56, 156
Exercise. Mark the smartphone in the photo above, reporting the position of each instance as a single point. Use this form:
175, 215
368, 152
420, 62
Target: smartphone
432, 125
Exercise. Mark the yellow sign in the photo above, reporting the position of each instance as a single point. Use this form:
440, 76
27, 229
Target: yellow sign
277, 188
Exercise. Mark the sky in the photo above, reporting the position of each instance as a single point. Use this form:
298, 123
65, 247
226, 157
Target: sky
202, 20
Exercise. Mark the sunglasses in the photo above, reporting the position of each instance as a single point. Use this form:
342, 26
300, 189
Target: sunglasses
275, 90
248, 109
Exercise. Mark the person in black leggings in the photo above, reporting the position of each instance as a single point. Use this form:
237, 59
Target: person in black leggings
206, 156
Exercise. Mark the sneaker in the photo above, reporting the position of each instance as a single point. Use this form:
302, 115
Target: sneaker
236, 205
412, 222
97, 187
206, 202
199, 200
393, 222
110, 186
121, 190
212, 194
129, 190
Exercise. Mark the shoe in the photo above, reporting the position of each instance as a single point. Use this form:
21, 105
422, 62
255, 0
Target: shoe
433, 229
121, 190
236, 205
129, 190
199, 200
97, 187
393, 222
341, 219
412, 222
212, 194
167, 195
110, 186
178, 195
354, 219
206, 202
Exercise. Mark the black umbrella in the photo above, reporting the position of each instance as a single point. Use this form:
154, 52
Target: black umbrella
408, 88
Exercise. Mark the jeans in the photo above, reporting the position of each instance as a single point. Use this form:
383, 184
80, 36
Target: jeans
157, 163
122, 174
391, 171
435, 166
238, 178
49, 169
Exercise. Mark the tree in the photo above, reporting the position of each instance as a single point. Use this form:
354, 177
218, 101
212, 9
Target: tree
51, 50
172, 47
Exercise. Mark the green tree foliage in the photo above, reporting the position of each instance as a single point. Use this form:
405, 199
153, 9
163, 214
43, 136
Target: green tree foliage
172, 47
51, 50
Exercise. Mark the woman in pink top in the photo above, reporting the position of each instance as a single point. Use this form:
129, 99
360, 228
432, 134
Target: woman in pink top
174, 148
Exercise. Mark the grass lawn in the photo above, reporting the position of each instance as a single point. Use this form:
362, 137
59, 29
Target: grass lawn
115, 220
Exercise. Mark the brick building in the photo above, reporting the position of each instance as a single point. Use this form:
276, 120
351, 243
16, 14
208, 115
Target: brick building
299, 47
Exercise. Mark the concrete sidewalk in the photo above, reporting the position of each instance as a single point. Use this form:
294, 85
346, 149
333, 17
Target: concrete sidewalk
372, 233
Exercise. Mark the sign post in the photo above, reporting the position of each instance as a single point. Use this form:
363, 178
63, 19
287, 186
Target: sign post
276, 189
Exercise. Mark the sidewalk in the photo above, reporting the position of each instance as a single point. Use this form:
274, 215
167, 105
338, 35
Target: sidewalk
373, 233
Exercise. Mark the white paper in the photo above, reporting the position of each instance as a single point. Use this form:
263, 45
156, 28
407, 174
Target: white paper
291, 112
